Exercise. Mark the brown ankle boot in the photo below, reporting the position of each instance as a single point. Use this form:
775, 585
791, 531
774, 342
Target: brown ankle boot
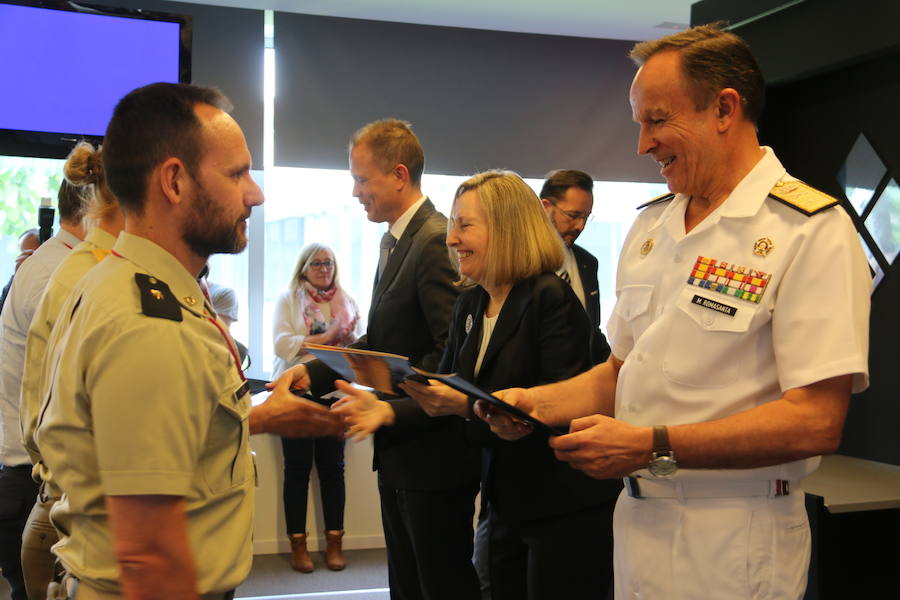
300, 560
334, 555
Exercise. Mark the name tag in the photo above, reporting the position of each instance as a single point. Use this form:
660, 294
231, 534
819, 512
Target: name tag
713, 305
241, 392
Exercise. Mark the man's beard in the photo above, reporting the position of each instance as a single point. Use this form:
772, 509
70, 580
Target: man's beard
207, 232
572, 232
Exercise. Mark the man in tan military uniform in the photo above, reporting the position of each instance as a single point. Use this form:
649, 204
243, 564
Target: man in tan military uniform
147, 421
83, 169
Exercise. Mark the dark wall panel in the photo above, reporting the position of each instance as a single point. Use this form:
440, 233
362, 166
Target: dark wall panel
227, 54
793, 40
813, 124
477, 99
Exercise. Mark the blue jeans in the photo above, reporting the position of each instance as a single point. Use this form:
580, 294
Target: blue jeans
299, 456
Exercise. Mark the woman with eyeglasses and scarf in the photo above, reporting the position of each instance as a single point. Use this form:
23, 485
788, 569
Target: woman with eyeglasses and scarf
314, 309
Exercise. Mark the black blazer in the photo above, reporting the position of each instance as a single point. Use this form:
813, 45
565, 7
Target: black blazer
410, 313
541, 336
587, 270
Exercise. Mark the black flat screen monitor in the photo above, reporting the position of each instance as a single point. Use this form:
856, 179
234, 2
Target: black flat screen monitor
66, 64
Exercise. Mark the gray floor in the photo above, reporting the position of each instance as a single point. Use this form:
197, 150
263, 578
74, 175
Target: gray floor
365, 578
272, 578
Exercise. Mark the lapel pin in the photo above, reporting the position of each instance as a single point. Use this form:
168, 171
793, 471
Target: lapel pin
647, 247
469, 322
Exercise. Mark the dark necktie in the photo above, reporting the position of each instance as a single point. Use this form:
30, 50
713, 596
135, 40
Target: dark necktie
388, 241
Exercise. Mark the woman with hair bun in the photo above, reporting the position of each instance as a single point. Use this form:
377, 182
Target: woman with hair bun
103, 221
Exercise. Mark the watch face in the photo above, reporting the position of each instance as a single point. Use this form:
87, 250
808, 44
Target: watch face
663, 466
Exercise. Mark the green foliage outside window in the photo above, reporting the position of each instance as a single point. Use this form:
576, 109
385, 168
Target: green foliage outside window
23, 181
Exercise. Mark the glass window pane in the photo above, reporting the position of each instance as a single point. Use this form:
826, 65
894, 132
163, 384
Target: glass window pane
23, 182
315, 205
863, 170
884, 221
859, 197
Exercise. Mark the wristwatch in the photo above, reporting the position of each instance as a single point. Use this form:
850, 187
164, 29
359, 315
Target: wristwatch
663, 463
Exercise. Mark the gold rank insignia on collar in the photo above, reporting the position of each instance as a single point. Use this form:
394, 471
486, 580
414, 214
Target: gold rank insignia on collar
801, 197
100, 253
156, 298
647, 247
657, 200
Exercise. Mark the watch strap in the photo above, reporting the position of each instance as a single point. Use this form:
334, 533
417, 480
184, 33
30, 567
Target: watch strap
661, 440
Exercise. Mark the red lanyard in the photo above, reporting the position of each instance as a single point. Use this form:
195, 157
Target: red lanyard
234, 354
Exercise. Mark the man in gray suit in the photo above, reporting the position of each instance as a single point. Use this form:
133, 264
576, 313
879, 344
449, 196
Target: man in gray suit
427, 474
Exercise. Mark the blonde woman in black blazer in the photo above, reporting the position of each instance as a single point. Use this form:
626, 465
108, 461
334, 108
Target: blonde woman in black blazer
517, 325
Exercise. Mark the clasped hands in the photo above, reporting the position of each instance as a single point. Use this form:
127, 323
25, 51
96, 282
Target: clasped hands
364, 412
601, 446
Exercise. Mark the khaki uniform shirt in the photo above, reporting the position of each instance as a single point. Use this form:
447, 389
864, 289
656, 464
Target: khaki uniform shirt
147, 398
80, 260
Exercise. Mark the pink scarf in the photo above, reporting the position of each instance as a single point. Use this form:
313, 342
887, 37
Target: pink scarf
309, 298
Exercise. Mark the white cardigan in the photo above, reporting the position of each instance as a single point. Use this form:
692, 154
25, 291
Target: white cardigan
289, 330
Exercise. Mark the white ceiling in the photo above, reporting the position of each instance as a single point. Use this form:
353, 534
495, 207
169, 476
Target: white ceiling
612, 19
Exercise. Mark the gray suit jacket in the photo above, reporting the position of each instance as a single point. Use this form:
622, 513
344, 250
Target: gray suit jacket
410, 314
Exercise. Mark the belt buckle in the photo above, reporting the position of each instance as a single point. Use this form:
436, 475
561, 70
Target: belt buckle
782, 487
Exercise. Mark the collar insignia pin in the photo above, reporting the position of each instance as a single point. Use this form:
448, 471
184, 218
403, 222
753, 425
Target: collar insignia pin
647, 247
469, 322
156, 294
763, 246
190, 300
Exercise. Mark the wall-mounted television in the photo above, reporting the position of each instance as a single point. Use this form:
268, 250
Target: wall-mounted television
66, 64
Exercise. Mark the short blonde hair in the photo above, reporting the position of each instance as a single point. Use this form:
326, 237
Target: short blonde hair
521, 240
307, 255
392, 143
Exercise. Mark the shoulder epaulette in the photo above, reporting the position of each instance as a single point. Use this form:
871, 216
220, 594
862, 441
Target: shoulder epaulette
657, 200
156, 298
802, 197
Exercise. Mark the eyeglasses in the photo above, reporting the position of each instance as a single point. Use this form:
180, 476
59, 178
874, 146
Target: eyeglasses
321, 264
572, 215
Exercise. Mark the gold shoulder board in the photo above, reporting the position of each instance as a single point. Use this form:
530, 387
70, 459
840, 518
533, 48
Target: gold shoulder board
657, 200
802, 197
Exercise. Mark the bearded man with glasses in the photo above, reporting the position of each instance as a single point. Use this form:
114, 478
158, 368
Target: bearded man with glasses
568, 199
